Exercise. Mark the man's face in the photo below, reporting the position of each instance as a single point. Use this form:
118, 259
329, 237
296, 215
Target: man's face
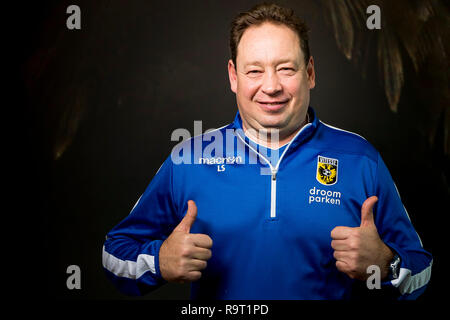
271, 80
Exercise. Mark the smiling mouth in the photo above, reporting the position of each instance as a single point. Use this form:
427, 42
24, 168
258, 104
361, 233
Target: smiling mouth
272, 105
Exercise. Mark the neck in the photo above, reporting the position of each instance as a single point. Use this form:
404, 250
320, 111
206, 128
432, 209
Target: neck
273, 138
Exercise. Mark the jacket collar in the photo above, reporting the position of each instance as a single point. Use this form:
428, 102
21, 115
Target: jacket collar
302, 135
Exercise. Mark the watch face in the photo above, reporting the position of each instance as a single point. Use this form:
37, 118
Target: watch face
395, 264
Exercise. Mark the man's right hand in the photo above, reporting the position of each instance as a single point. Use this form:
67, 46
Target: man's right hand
183, 255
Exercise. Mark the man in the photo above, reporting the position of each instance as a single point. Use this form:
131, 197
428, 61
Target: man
307, 223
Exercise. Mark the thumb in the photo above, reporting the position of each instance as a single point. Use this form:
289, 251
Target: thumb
189, 219
367, 211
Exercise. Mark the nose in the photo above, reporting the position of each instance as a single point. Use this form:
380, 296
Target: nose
271, 83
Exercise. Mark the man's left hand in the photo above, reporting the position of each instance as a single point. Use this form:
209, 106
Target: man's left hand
357, 248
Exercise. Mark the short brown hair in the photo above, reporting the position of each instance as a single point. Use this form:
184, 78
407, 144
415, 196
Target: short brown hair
268, 12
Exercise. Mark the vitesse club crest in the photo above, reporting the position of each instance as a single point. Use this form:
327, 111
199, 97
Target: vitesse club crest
327, 170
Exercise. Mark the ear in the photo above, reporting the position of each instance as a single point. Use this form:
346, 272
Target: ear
311, 73
232, 75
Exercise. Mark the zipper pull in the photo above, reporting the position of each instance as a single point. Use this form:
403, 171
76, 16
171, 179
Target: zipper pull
274, 174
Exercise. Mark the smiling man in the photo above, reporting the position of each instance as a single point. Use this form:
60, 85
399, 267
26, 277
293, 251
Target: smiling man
326, 212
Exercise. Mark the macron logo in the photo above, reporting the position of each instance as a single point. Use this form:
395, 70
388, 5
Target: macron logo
221, 160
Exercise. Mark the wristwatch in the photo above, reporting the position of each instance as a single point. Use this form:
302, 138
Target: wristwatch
394, 266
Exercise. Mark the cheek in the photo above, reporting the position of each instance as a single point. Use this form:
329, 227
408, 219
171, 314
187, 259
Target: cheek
247, 89
295, 87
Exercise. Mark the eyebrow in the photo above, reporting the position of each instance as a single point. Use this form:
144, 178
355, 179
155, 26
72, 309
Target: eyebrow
282, 61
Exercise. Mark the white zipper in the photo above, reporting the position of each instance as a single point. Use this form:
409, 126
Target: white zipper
273, 195
273, 184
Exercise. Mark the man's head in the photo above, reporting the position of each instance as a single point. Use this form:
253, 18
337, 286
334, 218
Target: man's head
270, 69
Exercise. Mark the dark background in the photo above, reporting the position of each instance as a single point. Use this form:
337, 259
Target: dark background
99, 106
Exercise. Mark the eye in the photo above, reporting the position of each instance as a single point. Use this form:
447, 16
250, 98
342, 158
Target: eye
254, 73
287, 71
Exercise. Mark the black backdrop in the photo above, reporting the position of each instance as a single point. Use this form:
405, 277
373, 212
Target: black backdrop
142, 69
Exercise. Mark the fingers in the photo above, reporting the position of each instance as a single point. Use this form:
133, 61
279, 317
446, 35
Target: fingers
201, 254
191, 276
341, 245
343, 267
192, 250
202, 240
196, 265
344, 256
341, 233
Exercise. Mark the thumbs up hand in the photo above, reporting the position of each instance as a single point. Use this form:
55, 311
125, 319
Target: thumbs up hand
357, 248
183, 255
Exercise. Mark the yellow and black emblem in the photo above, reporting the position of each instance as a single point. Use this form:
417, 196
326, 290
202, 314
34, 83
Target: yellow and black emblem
327, 170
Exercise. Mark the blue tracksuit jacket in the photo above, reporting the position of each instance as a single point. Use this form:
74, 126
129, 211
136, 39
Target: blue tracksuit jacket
270, 219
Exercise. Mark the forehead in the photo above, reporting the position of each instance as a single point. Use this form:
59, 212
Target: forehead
268, 43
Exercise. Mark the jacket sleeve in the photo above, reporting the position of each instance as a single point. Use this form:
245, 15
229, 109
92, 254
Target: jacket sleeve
397, 232
131, 250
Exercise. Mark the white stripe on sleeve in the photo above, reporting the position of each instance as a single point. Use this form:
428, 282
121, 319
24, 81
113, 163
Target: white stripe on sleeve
407, 283
127, 268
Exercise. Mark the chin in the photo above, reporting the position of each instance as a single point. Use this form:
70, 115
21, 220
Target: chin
272, 122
